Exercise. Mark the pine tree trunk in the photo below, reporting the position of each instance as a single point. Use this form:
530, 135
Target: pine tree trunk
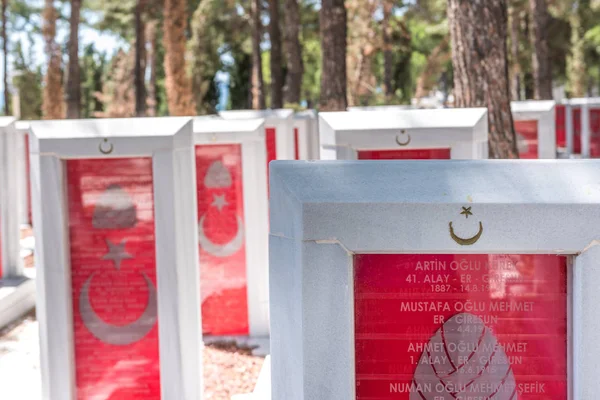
257, 93
333, 28
576, 61
53, 101
540, 61
140, 60
295, 65
478, 31
177, 83
5, 59
73, 72
388, 59
152, 41
515, 86
276, 56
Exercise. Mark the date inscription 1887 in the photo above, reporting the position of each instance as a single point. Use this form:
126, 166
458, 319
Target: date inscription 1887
467, 327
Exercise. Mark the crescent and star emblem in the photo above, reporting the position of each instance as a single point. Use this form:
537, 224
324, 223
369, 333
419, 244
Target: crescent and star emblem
403, 142
105, 150
114, 334
466, 211
218, 177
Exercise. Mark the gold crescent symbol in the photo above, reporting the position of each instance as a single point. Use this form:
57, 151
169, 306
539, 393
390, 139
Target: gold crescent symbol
401, 143
467, 241
102, 150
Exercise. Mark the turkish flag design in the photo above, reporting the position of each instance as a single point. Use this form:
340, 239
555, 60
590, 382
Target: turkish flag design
561, 127
113, 276
446, 326
527, 138
221, 234
410, 154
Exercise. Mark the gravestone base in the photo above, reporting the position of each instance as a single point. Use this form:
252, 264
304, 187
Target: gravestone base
17, 298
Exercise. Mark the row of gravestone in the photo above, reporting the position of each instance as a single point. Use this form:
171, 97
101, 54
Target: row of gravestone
112, 203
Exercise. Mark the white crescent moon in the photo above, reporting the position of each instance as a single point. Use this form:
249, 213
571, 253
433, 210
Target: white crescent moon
114, 334
226, 249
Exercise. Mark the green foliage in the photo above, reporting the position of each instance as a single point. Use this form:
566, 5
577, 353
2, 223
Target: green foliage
93, 65
28, 83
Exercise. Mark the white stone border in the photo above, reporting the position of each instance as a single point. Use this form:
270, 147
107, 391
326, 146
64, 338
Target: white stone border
22, 128
12, 265
169, 142
306, 122
280, 119
251, 135
324, 213
463, 130
544, 112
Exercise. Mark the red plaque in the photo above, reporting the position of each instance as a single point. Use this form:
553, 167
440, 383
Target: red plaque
460, 327
113, 277
271, 139
577, 130
296, 145
527, 139
221, 234
595, 132
561, 132
412, 154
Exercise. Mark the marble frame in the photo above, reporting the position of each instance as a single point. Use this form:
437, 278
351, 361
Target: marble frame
585, 103
463, 130
544, 112
169, 142
12, 265
532, 206
280, 119
250, 134
306, 122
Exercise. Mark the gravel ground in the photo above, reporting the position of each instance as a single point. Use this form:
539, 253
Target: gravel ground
228, 370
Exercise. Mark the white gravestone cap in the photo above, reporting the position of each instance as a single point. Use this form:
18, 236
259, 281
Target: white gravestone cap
251, 135
324, 213
165, 148
544, 112
463, 130
307, 131
279, 119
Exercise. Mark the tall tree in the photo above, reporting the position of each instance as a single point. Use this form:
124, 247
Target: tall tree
479, 57
74, 73
178, 84
576, 70
293, 47
257, 92
5, 59
540, 61
515, 77
388, 58
276, 55
150, 35
333, 27
53, 104
140, 59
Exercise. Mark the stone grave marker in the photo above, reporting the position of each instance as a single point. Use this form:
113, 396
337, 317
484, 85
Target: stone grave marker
17, 291
306, 135
409, 134
279, 129
231, 176
115, 217
578, 127
435, 280
535, 126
